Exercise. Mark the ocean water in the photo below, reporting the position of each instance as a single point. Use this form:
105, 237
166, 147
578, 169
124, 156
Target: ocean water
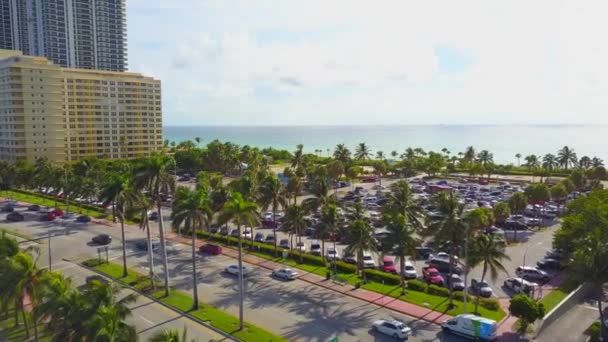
503, 141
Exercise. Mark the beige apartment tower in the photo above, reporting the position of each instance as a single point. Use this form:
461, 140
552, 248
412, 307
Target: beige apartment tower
67, 114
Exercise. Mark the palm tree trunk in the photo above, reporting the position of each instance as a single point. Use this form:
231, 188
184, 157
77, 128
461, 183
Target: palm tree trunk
300, 247
252, 233
241, 289
194, 276
163, 248
113, 212
27, 330
274, 231
600, 293
483, 277
35, 327
402, 271
124, 246
451, 270
323, 250
150, 257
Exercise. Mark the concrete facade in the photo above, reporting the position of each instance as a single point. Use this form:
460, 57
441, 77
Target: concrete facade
67, 114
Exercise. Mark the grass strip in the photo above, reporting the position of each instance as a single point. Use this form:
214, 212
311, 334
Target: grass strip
554, 297
183, 302
38, 199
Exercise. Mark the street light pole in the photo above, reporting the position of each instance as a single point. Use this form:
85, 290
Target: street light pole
50, 257
466, 265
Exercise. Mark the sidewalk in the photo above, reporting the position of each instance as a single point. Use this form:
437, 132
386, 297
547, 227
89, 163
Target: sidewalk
361, 294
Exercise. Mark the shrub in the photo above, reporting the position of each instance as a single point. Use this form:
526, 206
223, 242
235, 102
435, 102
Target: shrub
307, 258
438, 291
594, 331
345, 267
382, 277
459, 295
490, 304
94, 262
417, 285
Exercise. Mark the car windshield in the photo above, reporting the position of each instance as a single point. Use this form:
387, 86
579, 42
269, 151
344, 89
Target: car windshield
389, 263
409, 268
314, 246
367, 257
434, 273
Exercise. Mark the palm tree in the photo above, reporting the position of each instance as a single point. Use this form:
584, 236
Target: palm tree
401, 239
241, 213
380, 155
401, 201
319, 189
485, 157
295, 222
297, 160
272, 195
518, 203
107, 314
119, 190
469, 154
362, 152
171, 335
153, 175
584, 162
145, 206
532, 162
549, 162
597, 162
450, 229
192, 208
329, 221
394, 154
487, 250
360, 239
518, 156
342, 153
198, 141
566, 157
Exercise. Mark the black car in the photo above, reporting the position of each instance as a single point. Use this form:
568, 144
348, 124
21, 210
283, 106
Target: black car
224, 231
153, 216
443, 266
8, 208
34, 207
550, 264
259, 237
14, 217
514, 225
83, 219
102, 239
424, 252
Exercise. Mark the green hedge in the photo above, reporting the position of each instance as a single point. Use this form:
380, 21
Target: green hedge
438, 291
382, 277
342, 266
417, 285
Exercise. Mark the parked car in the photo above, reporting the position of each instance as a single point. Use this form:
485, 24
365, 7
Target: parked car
269, 239
519, 285
246, 234
393, 328
472, 326
514, 225
444, 266
224, 231
15, 217
388, 265
368, 261
210, 248
284, 243
332, 254
410, 271
234, 233
285, 273
532, 273
549, 264
431, 275
455, 282
481, 288
424, 252
48, 216
83, 219
234, 270
259, 237
315, 248
8, 208
349, 259
102, 239
34, 207
153, 216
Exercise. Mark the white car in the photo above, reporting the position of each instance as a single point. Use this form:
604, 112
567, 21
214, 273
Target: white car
285, 273
234, 270
300, 247
332, 254
393, 328
267, 215
368, 261
519, 285
246, 234
315, 248
410, 271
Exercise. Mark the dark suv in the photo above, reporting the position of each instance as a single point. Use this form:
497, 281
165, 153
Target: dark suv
443, 266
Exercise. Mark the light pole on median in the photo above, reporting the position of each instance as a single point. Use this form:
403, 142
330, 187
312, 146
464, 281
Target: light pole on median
50, 257
524, 261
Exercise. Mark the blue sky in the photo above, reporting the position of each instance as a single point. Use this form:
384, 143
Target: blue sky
359, 62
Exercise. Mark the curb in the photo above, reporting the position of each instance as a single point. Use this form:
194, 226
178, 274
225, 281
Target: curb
263, 265
195, 319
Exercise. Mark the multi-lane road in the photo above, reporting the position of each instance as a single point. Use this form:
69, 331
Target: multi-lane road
296, 310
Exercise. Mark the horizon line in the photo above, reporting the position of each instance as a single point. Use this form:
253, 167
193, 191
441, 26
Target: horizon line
390, 125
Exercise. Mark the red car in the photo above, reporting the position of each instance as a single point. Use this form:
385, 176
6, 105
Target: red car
211, 249
58, 212
50, 216
388, 265
368, 180
431, 275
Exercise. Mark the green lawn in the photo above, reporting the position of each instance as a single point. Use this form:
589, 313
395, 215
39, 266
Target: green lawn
183, 302
436, 303
553, 298
33, 198
9, 332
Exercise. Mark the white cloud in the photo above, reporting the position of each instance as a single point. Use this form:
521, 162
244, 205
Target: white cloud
357, 62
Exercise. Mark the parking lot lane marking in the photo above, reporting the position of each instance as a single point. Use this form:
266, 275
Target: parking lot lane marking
146, 320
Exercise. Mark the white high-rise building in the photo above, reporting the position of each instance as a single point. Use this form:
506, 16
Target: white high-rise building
86, 34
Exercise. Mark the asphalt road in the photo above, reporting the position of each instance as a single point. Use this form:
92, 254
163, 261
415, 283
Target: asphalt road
297, 310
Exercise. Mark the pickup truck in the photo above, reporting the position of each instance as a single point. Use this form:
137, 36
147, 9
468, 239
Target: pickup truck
432, 276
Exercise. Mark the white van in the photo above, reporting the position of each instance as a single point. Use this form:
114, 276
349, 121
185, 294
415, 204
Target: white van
471, 326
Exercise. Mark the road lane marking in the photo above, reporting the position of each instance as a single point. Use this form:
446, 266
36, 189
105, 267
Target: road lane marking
146, 320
